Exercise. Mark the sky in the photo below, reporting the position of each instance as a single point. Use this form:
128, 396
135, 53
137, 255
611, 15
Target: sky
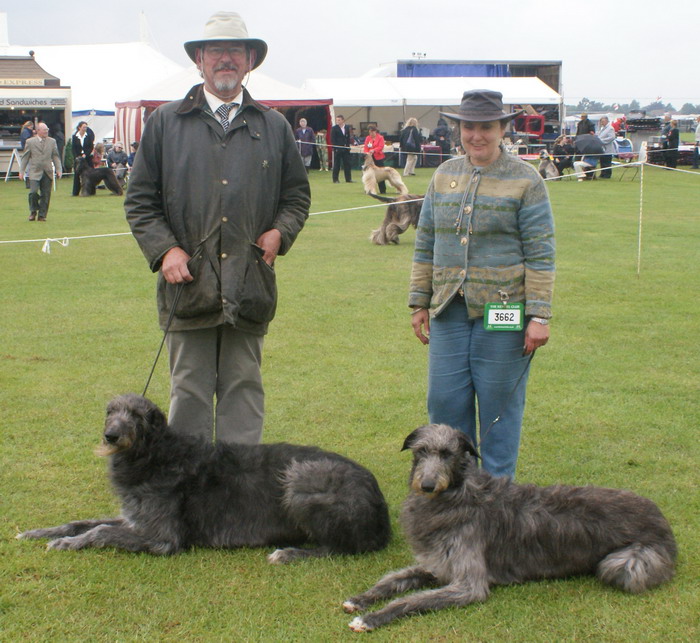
612, 51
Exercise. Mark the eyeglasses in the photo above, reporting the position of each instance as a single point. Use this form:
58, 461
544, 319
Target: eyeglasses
218, 52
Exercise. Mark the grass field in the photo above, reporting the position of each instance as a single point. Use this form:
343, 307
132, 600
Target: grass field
612, 400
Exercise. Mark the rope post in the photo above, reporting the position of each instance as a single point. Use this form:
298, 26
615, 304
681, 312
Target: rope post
639, 227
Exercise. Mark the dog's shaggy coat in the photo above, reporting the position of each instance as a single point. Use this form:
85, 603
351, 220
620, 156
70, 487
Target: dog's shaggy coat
179, 492
91, 177
372, 175
470, 531
403, 211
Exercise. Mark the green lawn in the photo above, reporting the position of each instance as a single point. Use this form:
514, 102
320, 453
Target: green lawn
612, 400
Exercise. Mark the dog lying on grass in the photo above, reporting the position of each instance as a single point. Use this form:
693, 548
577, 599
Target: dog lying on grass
179, 492
470, 531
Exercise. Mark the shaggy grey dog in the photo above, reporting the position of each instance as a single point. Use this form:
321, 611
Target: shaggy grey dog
546, 168
403, 211
470, 531
179, 492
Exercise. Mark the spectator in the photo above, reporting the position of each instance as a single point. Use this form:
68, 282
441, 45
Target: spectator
410, 143
40, 158
82, 143
374, 145
563, 153
696, 150
673, 139
591, 148
443, 135
117, 160
606, 134
340, 141
305, 141
98, 154
585, 125
132, 154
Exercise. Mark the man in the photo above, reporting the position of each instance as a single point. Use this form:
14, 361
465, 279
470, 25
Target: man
590, 146
41, 154
696, 150
217, 191
606, 134
305, 139
585, 125
117, 160
340, 140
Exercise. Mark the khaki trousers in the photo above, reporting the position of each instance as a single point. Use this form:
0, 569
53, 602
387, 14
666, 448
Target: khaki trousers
220, 363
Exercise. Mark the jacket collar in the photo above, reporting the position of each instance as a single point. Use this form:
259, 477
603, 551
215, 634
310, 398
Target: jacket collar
196, 100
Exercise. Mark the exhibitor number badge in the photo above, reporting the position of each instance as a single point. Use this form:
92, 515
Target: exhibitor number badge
503, 316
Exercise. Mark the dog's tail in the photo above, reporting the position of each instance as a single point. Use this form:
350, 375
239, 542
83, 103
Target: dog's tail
383, 198
638, 567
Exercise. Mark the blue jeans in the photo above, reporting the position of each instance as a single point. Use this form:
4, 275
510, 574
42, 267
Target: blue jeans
470, 367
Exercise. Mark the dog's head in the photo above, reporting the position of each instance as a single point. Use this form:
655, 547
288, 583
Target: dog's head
369, 162
131, 420
544, 154
81, 164
441, 454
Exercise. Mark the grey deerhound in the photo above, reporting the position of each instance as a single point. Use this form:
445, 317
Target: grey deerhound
179, 492
470, 531
403, 211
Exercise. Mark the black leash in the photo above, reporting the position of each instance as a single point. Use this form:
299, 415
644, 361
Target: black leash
178, 292
503, 406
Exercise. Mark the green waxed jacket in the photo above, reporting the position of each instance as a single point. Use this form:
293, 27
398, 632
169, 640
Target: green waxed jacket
483, 231
213, 194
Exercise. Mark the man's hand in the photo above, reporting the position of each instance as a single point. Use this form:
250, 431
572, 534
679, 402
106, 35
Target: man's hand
174, 266
270, 243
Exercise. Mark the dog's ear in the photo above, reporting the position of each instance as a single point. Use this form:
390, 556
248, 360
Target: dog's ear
466, 445
154, 416
411, 438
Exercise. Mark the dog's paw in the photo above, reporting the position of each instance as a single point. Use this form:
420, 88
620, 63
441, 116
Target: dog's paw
358, 625
62, 544
349, 607
32, 534
278, 557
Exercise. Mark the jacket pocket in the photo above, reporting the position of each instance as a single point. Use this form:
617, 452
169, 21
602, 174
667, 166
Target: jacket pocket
259, 298
199, 297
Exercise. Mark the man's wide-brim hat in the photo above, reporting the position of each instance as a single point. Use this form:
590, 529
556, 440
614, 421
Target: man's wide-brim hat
227, 25
481, 105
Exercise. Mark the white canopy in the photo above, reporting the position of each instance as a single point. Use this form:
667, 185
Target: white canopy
100, 75
444, 92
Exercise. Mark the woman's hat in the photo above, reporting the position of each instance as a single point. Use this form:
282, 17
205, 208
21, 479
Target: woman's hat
227, 25
481, 105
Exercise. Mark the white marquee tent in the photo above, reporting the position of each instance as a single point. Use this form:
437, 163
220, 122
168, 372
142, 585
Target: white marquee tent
390, 101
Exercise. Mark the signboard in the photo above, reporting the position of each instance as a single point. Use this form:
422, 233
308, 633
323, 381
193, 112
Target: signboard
32, 103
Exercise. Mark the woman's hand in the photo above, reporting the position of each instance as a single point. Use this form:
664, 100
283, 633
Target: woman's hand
421, 325
536, 335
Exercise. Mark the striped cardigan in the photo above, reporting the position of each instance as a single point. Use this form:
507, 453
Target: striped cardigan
484, 230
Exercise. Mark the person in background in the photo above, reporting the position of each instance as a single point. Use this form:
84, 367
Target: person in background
673, 139
218, 190
60, 138
563, 153
606, 134
340, 141
117, 160
585, 125
305, 140
39, 161
26, 133
410, 143
485, 238
374, 145
322, 149
443, 139
696, 150
82, 143
132, 154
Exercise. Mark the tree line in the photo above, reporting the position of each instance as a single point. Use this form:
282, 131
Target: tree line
657, 107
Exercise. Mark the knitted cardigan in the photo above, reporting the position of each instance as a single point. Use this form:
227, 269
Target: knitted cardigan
485, 230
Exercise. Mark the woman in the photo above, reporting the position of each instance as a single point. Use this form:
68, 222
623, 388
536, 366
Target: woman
563, 153
443, 135
674, 139
374, 145
82, 142
485, 242
409, 142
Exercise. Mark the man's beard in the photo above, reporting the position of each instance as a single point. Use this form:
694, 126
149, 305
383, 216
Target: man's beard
226, 85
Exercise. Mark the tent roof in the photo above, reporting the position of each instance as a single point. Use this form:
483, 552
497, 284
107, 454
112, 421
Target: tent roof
392, 92
260, 86
99, 75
